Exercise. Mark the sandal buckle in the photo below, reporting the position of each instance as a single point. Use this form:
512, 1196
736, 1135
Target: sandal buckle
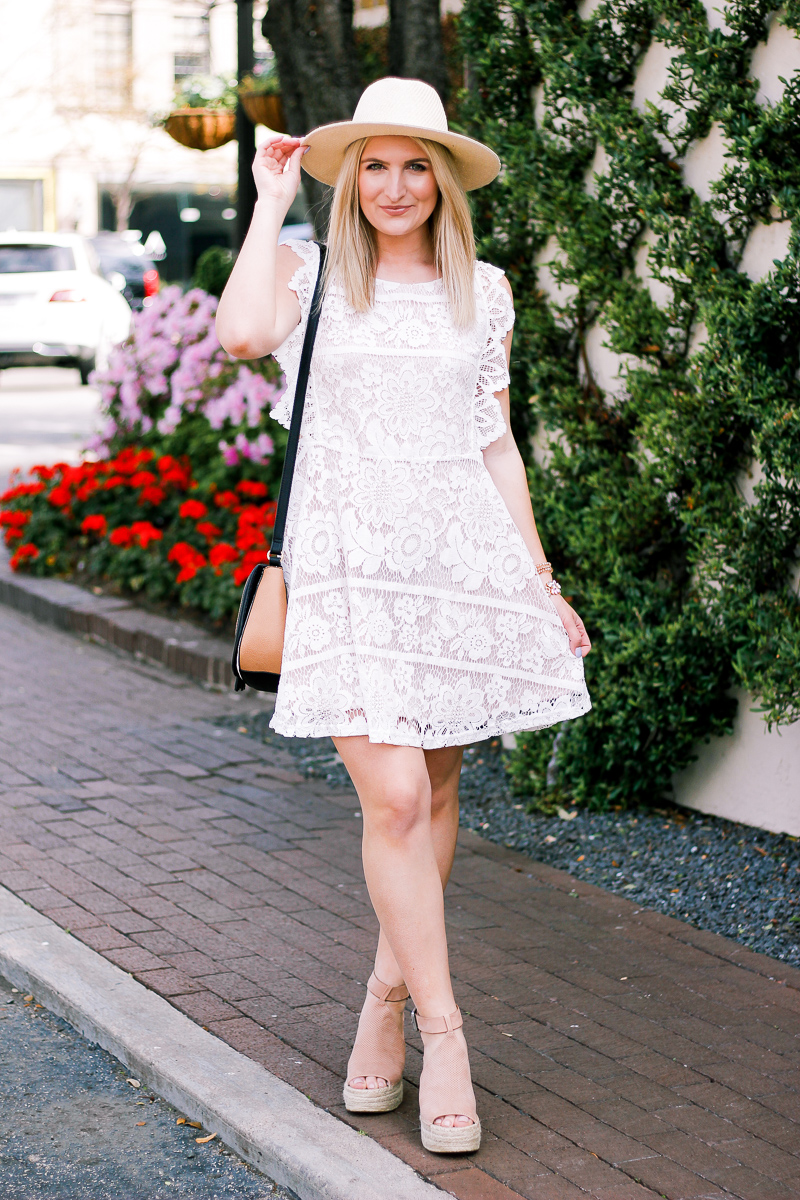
414, 1019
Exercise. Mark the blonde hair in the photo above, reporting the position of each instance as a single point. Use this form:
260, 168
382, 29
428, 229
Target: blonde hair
352, 247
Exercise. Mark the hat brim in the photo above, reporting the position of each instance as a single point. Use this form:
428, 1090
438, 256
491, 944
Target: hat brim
477, 165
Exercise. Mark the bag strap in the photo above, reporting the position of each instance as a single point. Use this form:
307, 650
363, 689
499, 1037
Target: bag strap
276, 549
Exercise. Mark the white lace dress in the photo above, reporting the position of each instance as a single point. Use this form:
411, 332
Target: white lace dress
415, 613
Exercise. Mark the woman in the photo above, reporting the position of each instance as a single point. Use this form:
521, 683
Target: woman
422, 612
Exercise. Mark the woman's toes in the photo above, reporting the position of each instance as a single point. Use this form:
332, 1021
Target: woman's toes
358, 1082
451, 1121
375, 1081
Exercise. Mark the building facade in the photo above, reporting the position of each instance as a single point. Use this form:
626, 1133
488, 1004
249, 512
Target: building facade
83, 83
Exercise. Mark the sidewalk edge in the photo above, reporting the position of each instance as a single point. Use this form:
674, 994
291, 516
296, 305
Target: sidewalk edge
266, 1121
178, 645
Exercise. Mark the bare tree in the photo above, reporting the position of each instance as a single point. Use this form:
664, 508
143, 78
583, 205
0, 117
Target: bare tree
416, 50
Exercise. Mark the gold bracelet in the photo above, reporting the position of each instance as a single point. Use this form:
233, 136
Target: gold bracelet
542, 567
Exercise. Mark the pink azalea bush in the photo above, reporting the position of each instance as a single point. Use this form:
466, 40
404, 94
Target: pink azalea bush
173, 388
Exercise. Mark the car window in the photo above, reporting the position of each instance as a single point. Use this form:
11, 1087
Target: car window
21, 260
126, 263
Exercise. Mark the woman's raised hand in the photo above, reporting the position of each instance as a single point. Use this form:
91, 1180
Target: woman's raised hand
276, 170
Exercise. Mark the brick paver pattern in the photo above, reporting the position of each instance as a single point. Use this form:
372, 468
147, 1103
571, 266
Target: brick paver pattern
617, 1054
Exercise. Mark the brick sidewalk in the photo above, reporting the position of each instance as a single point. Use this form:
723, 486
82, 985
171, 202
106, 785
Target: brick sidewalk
617, 1053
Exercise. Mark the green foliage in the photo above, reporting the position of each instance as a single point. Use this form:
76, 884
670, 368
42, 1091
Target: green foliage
207, 91
372, 49
265, 83
212, 270
685, 587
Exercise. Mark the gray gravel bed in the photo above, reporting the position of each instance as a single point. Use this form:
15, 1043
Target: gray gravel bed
73, 1128
732, 879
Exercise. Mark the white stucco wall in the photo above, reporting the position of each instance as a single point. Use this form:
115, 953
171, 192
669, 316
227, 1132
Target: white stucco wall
752, 776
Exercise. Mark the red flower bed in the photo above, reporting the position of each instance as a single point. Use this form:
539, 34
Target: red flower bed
143, 521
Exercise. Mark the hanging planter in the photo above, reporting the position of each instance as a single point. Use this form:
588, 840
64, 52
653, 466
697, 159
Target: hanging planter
201, 128
264, 108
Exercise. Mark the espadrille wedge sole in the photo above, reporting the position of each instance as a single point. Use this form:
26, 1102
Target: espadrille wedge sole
445, 1086
373, 1100
439, 1139
379, 1050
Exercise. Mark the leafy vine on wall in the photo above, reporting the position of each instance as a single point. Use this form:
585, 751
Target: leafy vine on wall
687, 587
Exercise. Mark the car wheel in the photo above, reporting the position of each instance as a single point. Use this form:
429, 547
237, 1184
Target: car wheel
85, 367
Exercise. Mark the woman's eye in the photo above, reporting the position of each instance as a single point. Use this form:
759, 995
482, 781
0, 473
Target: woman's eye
419, 167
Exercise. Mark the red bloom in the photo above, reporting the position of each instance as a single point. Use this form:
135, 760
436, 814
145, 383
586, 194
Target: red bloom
192, 508
208, 529
15, 519
22, 489
86, 490
113, 481
172, 471
28, 550
254, 520
188, 558
248, 537
60, 496
227, 500
42, 471
145, 533
142, 478
121, 536
250, 560
221, 553
72, 476
96, 523
130, 460
14, 523
252, 488
152, 494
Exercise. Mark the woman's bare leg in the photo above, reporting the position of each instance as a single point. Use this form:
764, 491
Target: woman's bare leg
444, 771
405, 866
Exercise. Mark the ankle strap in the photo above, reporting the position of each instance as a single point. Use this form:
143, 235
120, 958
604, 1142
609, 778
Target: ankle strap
437, 1024
383, 992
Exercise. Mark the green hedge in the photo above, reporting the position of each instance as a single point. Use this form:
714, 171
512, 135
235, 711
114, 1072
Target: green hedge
686, 589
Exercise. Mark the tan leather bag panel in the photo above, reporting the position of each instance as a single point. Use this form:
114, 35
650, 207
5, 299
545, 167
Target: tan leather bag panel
261, 647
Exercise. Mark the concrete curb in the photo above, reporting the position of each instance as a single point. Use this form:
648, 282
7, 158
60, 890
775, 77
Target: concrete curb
179, 645
266, 1121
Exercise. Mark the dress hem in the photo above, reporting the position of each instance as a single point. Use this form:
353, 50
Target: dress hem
477, 734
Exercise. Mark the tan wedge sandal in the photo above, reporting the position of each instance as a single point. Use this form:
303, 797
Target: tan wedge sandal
380, 1049
445, 1087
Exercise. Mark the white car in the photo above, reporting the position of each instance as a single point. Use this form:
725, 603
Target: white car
56, 308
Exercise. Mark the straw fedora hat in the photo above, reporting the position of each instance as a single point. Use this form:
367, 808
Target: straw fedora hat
409, 108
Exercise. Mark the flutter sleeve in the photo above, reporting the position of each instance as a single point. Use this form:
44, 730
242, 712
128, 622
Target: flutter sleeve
288, 353
493, 370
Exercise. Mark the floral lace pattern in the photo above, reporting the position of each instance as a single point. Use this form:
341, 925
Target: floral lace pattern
415, 613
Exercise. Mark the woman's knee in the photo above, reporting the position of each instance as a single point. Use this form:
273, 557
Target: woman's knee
402, 807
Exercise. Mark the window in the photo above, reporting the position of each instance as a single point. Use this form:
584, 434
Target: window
21, 204
191, 42
112, 55
24, 260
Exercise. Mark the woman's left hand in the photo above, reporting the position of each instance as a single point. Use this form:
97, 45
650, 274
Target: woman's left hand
578, 637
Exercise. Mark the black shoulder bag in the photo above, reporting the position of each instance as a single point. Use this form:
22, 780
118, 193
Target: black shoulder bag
261, 623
